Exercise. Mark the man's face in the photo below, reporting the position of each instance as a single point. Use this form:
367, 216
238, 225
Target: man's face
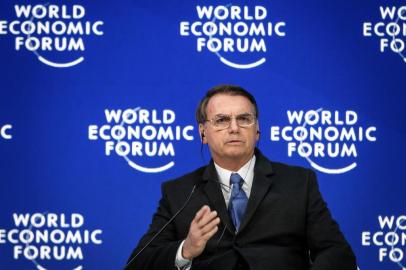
235, 142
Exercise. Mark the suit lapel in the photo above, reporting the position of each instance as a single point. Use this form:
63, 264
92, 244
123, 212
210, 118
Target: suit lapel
260, 186
213, 191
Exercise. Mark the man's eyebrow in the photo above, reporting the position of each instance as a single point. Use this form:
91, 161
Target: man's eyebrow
240, 114
222, 114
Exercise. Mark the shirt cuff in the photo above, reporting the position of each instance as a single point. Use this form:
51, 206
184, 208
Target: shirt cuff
180, 262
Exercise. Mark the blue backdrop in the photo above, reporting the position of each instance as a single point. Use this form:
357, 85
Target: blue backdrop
53, 161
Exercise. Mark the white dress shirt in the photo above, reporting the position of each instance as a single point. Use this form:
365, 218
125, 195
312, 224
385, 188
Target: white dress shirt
247, 174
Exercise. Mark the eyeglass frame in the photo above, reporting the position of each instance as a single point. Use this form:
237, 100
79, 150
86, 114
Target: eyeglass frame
254, 119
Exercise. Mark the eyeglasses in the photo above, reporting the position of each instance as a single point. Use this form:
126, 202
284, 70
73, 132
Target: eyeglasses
223, 121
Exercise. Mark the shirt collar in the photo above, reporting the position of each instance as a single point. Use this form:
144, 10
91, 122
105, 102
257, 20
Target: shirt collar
246, 172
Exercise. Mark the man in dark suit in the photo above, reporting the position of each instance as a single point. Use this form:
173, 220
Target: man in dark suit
242, 211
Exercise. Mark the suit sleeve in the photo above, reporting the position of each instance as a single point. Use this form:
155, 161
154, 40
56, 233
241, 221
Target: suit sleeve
328, 248
161, 253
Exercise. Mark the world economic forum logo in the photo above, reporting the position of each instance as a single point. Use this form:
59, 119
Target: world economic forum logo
55, 34
389, 239
328, 140
50, 239
146, 139
238, 35
391, 30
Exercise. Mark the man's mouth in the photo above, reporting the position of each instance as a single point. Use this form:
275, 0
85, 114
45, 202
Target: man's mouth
234, 142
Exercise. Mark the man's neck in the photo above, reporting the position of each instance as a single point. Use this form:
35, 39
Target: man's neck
232, 164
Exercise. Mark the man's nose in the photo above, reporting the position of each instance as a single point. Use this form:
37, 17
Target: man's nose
234, 125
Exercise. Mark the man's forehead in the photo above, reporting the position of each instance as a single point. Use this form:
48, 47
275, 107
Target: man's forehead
229, 104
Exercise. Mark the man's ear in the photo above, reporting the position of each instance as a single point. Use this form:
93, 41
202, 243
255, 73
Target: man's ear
258, 132
202, 134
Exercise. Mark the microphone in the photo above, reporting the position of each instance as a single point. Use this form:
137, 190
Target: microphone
163, 227
225, 225
222, 184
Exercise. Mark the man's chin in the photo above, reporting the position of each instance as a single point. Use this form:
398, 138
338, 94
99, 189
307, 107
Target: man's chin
236, 153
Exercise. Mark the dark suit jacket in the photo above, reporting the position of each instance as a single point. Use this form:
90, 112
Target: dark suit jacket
286, 226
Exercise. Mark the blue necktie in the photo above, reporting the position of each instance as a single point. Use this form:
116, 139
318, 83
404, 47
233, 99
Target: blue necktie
238, 200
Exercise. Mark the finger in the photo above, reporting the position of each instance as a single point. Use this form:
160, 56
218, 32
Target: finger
207, 218
210, 226
200, 213
210, 234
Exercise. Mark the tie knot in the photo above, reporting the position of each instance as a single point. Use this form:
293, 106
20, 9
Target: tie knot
235, 179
